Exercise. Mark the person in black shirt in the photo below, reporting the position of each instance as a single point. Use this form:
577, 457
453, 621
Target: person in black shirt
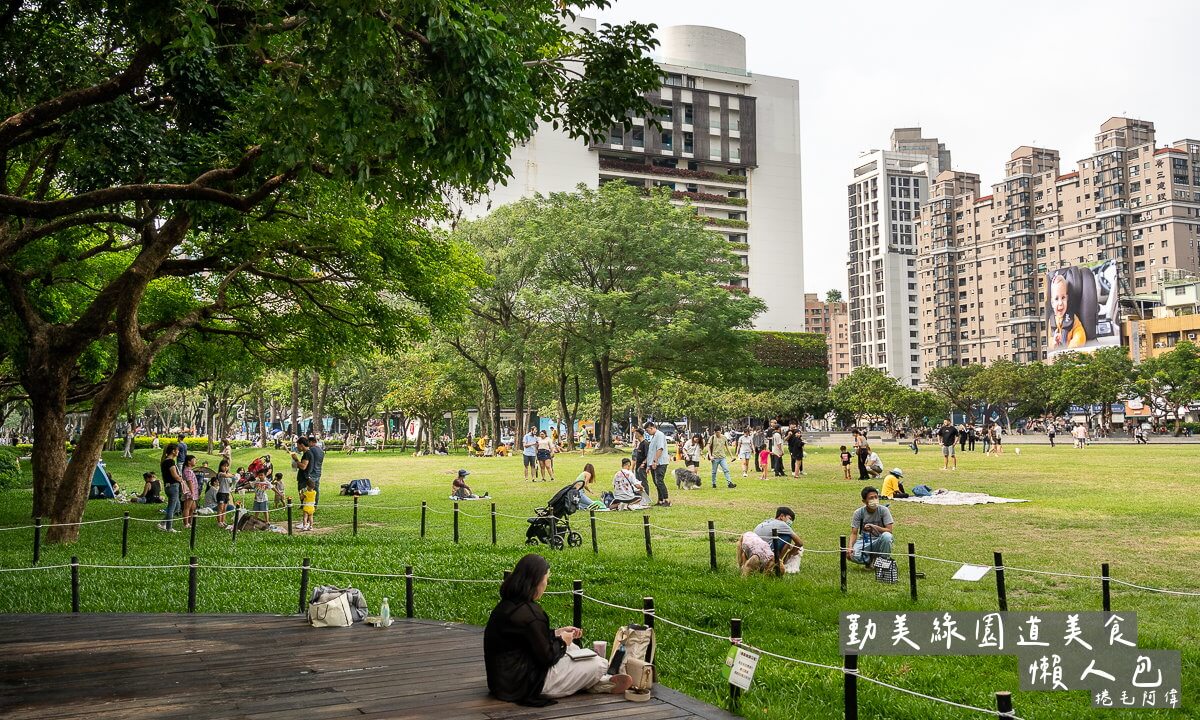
172, 483
641, 448
795, 444
151, 491
948, 434
526, 661
302, 460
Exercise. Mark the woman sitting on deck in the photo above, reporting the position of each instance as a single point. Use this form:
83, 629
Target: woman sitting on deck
526, 660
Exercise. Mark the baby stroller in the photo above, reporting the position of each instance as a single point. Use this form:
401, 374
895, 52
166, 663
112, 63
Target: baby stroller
552, 525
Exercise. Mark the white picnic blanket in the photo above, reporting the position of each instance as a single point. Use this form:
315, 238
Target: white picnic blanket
954, 497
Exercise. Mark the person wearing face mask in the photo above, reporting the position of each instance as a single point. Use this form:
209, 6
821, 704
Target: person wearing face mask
870, 530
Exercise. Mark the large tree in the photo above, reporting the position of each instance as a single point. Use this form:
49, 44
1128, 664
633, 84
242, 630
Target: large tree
952, 382
241, 166
637, 284
1100, 378
1171, 381
865, 392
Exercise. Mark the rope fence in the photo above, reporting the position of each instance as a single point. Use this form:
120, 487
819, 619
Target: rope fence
558, 536
648, 613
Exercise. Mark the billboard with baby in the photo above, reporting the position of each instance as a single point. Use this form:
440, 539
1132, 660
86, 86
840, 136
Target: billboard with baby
1082, 308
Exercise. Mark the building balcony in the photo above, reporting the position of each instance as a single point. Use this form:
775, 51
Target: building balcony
709, 198
618, 167
725, 222
1113, 212
736, 288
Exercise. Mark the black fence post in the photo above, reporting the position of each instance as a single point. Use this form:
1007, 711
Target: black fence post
1001, 595
842, 559
648, 612
192, 584
125, 535
493, 523
577, 603
408, 592
1104, 586
775, 551
424, 506
912, 571
37, 540
356, 516
237, 520
456, 523
304, 585
74, 584
735, 637
850, 686
646, 527
595, 542
289, 510
1004, 705
192, 537
712, 546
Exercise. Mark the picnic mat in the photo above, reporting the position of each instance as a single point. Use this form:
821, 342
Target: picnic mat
954, 497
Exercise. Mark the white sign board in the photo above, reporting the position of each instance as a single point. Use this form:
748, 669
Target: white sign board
739, 667
971, 573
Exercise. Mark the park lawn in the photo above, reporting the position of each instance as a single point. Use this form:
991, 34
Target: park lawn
1126, 505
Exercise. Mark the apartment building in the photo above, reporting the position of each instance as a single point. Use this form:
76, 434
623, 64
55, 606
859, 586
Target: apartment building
884, 196
830, 319
982, 260
728, 143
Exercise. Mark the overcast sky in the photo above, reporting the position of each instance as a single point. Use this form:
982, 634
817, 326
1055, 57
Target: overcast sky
982, 78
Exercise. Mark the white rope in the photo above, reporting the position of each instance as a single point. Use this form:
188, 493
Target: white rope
914, 693
50, 525
611, 605
659, 618
35, 567
139, 567
1048, 572
1185, 593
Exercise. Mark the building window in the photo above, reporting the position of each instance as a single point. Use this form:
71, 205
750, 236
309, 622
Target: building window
668, 140
688, 142
616, 135
639, 137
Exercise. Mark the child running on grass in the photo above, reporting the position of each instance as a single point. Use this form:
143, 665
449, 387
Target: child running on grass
262, 485
845, 457
764, 459
308, 503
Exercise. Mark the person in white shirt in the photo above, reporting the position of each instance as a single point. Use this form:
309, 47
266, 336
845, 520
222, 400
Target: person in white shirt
656, 461
627, 491
745, 450
777, 452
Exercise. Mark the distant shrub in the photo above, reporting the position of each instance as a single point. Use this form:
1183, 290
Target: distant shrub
10, 468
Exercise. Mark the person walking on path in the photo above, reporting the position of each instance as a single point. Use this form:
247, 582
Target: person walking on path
948, 434
717, 452
746, 451
657, 458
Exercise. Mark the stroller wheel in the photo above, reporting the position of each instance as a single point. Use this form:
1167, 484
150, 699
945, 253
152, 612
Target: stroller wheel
574, 539
556, 542
531, 541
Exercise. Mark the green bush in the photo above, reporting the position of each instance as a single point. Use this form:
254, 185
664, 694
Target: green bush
785, 359
10, 468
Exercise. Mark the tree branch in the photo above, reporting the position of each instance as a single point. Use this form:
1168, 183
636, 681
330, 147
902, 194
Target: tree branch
55, 108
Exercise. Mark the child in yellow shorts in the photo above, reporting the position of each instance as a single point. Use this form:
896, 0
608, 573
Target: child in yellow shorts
308, 503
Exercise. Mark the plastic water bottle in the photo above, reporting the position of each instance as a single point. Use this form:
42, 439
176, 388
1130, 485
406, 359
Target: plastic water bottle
385, 614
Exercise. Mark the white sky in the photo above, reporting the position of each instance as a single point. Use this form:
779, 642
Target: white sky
982, 78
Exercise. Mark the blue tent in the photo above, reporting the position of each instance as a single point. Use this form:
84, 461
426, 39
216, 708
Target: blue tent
102, 486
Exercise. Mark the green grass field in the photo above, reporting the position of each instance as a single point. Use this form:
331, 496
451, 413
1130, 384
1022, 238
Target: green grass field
1132, 507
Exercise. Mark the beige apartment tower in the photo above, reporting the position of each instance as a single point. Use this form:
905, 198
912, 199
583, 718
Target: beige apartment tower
831, 320
982, 260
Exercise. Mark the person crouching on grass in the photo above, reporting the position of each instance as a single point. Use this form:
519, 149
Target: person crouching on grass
870, 530
262, 485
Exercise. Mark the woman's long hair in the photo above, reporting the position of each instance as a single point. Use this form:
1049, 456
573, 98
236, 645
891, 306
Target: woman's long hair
525, 578
170, 448
591, 471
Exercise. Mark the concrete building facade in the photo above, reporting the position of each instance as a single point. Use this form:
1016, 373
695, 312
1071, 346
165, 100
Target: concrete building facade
884, 196
982, 260
729, 144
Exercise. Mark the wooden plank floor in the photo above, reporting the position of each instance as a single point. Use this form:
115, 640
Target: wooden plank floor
98, 666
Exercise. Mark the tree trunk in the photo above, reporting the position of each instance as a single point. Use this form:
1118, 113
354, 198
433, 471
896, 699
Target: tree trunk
261, 408
603, 427
519, 429
561, 383
316, 426
295, 402
494, 388
210, 409
387, 425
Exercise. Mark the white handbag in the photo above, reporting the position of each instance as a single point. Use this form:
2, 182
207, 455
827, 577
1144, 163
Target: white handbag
334, 612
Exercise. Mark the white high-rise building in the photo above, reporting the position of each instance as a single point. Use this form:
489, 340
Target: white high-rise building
887, 189
729, 144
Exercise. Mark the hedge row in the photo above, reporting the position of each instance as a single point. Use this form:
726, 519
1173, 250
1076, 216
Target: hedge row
10, 468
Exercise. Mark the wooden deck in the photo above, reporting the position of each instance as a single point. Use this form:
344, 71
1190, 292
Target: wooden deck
99, 666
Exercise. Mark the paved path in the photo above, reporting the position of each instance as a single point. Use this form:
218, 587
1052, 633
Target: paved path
98, 666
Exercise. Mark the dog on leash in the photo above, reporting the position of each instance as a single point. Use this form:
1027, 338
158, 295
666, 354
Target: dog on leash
686, 479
